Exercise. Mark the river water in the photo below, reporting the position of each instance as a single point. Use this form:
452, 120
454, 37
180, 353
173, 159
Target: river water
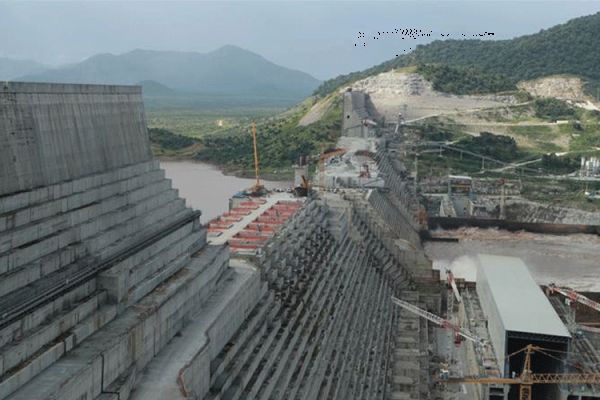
205, 188
567, 260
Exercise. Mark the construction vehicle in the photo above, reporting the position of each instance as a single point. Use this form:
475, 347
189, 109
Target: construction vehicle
528, 378
573, 296
301, 183
303, 189
460, 333
326, 155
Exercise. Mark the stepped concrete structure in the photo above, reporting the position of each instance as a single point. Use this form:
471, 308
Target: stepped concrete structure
101, 262
110, 291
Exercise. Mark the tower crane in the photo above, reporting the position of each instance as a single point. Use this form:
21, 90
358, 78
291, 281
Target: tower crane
459, 332
574, 296
257, 188
528, 378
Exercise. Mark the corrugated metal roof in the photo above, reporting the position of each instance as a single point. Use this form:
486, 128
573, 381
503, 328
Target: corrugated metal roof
521, 304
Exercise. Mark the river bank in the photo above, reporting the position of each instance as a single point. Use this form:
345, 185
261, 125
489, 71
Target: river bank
208, 189
276, 175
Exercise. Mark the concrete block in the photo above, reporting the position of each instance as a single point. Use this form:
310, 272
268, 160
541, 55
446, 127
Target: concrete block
115, 286
20, 377
109, 396
69, 342
118, 357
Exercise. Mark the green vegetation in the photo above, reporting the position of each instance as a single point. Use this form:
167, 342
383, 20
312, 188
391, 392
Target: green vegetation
464, 80
553, 109
435, 130
563, 193
499, 147
587, 140
570, 48
559, 165
169, 140
200, 122
281, 141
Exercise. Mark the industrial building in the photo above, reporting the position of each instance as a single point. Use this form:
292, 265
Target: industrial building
518, 314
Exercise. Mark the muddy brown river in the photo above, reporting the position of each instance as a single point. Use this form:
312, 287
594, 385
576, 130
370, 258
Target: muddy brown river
205, 188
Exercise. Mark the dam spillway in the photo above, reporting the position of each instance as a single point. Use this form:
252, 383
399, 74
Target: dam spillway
109, 289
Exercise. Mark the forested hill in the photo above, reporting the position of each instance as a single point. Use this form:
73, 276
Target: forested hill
570, 48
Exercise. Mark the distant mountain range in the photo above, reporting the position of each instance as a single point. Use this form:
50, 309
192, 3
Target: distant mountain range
229, 70
570, 48
11, 69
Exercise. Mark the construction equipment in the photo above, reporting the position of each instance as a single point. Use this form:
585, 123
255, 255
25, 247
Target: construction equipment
326, 155
301, 183
527, 378
452, 284
257, 189
574, 296
303, 189
364, 171
460, 333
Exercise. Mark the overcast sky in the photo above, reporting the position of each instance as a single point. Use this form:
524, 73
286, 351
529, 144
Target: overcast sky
315, 37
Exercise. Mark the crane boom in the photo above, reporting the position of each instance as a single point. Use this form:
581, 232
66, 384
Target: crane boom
574, 379
574, 296
444, 323
452, 284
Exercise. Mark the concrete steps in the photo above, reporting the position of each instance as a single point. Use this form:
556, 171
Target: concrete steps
61, 230
331, 335
133, 338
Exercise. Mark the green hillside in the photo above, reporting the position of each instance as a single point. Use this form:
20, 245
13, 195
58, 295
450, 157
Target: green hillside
281, 140
570, 48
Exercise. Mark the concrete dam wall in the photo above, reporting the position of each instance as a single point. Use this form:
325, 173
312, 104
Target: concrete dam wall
51, 133
109, 290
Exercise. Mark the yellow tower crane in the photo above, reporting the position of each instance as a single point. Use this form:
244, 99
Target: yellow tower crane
257, 189
528, 378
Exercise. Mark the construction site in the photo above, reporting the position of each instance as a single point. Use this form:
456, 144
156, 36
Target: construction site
360, 282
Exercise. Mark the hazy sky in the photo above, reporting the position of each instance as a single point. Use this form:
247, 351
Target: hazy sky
315, 37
